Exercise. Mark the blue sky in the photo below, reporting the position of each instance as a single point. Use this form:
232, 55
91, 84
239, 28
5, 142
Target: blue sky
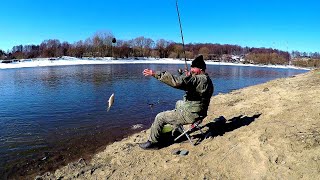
282, 24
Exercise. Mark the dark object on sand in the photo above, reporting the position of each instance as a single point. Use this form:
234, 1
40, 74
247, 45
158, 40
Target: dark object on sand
184, 152
180, 152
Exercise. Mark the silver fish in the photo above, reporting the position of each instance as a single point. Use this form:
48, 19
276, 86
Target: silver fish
110, 101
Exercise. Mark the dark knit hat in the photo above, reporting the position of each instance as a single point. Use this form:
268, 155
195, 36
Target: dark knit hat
199, 62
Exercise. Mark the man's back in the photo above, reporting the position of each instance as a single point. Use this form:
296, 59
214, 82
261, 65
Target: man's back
199, 90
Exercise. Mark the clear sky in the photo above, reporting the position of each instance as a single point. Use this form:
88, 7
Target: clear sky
282, 24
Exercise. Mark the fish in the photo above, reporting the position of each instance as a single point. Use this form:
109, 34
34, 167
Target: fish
110, 101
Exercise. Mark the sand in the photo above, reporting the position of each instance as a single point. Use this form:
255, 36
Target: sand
272, 131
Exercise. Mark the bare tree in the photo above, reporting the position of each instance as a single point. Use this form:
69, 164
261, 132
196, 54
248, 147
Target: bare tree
90, 51
122, 49
162, 46
18, 48
178, 49
77, 49
65, 46
148, 46
31, 51
2, 54
50, 48
102, 43
189, 55
138, 45
205, 52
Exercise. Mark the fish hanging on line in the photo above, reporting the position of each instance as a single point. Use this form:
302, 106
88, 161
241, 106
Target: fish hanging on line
110, 101
151, 105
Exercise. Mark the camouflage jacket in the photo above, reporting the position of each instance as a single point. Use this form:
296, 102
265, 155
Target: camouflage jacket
198, 88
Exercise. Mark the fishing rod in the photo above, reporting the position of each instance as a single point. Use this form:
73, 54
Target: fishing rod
184, 51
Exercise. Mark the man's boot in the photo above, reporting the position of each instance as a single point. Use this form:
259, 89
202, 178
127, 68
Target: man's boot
148, 145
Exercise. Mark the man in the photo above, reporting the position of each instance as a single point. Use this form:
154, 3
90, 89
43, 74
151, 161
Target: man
199, 89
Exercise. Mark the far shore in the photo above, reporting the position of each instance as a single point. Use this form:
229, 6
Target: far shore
66, 60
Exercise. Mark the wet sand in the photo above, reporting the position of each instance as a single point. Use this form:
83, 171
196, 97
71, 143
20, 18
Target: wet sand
60, 154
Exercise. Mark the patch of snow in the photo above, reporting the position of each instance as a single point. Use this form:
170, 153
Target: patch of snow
67, 60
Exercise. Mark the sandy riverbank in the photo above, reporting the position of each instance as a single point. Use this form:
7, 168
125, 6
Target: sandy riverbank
272, 132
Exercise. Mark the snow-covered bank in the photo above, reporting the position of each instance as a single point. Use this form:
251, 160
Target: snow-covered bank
41, 62
254, 65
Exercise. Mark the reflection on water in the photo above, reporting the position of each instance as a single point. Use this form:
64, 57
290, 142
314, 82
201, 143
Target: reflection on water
50, 115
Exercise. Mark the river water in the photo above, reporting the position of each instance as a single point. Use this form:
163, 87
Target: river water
51, 115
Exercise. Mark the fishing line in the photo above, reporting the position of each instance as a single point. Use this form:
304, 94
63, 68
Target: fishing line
151, 107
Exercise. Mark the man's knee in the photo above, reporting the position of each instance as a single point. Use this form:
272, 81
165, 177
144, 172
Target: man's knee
160, 117
168, 117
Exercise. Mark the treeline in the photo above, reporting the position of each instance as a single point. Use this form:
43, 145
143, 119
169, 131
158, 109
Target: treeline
306, 62
103, 44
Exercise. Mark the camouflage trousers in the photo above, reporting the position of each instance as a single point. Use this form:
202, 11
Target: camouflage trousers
173, 117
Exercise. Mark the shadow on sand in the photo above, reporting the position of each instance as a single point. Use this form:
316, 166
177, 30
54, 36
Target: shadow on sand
221, 125
216, 127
